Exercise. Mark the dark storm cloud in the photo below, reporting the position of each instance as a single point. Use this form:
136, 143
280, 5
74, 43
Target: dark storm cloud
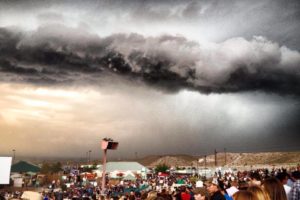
56, 54
277, 20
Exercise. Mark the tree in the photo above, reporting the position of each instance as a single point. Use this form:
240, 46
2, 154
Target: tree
57, 167
161, 168
45, 169
49, 169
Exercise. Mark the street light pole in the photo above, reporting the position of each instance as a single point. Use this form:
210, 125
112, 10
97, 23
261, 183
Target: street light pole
104, 170
14, 155
205, 166
106, 143
87, 156
90, 156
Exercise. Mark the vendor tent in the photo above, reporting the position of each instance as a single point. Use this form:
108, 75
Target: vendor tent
30, 195
124, 166
23, 166
129, 177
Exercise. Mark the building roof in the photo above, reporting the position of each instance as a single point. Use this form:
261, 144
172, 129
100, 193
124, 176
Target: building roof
23, 166
124, 166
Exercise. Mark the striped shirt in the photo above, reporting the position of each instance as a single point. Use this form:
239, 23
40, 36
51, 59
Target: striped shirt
295, 192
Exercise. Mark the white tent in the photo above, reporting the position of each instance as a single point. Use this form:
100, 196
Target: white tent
31, 195
129, 177
115, 174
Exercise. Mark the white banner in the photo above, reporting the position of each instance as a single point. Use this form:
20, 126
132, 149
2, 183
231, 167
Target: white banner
5, 164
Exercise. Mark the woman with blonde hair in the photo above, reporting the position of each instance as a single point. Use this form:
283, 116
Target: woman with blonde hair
259, 192
152, 195
244, 195
274, 189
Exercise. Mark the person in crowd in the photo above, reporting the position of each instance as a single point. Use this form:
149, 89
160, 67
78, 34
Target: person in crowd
165, 195
259, 192
283, 178
255, 179
244, 195
274, 189
295, 191
214, 190
233, 188
152, 195
185, 193
201, 194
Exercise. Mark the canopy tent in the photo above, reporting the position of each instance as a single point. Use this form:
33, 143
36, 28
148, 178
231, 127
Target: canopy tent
31, 195
129, 177
163, 174
116, 174
24, 167
31, 173
88, 175
180, 181
123, 167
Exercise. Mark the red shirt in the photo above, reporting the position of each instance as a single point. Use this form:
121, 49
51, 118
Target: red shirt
185, 196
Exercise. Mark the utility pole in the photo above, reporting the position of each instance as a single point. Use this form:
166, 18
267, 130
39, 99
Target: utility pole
87, 156
106, 143
216, 158
90, 156
225, 156
14, 155
205, 166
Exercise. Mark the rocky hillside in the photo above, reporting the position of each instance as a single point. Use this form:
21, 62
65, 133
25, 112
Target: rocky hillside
232, 159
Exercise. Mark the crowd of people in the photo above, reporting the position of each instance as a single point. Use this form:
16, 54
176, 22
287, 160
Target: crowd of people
260, 184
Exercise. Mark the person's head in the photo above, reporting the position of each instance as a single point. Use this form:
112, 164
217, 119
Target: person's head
282, 177
234, 184
255, 178
212, 187
200, 194
152, 195
296, 175
274, 189
244, 195
259, 192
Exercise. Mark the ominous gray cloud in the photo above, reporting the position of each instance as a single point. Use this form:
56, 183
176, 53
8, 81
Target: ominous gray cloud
213, 20
56, 54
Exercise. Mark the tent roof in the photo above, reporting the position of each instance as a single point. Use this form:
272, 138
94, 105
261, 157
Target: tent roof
124, 166
129, 177
23, 166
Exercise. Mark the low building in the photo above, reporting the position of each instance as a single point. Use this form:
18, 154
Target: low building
123, 169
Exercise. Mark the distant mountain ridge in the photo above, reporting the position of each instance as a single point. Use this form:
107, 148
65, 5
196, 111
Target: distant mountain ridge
232, 159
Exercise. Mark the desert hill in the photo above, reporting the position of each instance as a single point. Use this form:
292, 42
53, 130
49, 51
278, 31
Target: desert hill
232, 159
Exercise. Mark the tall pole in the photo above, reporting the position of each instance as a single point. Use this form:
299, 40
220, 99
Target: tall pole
87, 156
106, 143
225, 156
104, 170
197, 168
90, 156
205, 166
216, 157
14, 155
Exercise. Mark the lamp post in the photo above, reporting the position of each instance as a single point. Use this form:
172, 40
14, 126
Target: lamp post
106, 144
87, 156
90, 156
205, 166
14, 155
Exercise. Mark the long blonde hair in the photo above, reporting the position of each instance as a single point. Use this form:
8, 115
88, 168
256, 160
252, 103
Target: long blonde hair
259, 192
274, 188
244, 195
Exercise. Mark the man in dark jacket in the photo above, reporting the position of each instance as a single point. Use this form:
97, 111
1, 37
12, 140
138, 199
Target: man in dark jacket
214, 190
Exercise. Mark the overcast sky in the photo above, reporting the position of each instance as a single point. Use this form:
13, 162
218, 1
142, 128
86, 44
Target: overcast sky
160, 77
